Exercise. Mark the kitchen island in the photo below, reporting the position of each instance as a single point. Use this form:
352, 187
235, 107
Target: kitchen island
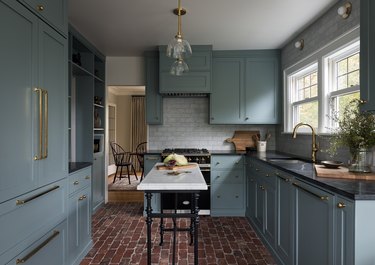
184, 180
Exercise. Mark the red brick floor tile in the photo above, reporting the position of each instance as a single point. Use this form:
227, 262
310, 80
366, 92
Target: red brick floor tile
119, 235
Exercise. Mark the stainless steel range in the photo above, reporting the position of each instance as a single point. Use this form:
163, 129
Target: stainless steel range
203, 158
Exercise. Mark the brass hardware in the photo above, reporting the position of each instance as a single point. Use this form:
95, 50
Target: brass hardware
40, 7
20, 202
323, 198
267, 175
314, 148
285, 179
362, 101
341, 205
39, 155
87, 177
43, 124
45, 93
34, 251
76, 182
84, 196
80, 198
262, 187
257, 169
182, 11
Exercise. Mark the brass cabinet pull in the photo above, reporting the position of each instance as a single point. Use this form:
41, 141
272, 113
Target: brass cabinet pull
43, 124
34, 251
262, 187
341, 205
40, 7
84, 196
80, 198
267, 175
285, 179
257, 169
87, 177
76, 182
20, 202
323, 198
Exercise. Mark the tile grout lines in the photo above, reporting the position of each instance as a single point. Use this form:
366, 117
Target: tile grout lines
119, 236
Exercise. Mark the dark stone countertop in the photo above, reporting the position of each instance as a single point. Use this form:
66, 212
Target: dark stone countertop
352, 189
75, 166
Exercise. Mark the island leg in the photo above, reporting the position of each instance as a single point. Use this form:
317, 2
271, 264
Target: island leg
196, 224
192, 210
161, 226
148, 222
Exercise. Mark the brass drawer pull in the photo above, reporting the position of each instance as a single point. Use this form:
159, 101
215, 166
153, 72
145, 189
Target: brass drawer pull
34, 251
76, 182
257, 169
262, 187
323, 198
87, 177
285, 179
341, 205
20, 202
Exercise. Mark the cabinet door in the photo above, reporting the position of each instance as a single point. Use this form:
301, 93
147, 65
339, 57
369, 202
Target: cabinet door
53, 11
154, 101
270, 214
367, 54
284, 239
313, 225
262, 91
18, 64
227, 86
98, 176
259, 210
53, 74
344, 232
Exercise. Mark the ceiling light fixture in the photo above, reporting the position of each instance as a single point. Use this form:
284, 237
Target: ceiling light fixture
345, 10
178, 47
299, 44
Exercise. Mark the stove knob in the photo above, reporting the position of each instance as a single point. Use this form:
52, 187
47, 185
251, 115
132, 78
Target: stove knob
203, 160
197, 159
189, 159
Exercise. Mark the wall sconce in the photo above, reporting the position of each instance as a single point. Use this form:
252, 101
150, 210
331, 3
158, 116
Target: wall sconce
299, 44
344, 10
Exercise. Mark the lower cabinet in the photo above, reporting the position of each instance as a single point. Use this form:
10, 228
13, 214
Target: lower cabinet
228, 195
314, 211
98, 179
149, 163
49, 249
79, 215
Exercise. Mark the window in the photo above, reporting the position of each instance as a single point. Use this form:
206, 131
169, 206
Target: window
322, 84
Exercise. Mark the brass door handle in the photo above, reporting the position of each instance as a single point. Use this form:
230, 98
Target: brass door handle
40, 7
43, 124
322, 197
20, 202
285, 179
341, 205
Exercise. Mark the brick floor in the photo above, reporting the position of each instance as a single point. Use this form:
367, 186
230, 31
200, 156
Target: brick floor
119, 235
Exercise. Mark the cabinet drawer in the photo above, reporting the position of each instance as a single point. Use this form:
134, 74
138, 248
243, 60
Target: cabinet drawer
79, 179
226, 162
24, 216
49, 249
227, 196
54, 12
227, 176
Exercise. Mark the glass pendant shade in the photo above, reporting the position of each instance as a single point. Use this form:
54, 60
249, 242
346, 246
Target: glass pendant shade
179, 67
179, 48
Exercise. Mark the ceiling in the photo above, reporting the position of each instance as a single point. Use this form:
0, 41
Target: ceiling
129, 27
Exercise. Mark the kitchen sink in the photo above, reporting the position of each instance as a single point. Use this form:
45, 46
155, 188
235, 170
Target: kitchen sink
286, 161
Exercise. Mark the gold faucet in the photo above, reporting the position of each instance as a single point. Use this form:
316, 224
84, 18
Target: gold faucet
313, 134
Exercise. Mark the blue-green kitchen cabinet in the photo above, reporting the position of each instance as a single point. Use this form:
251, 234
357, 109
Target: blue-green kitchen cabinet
313, 209
197, 80
367, 54
245, 87
98, 180
79, 215
52, 12
154, 101
33, 56
227, 185
149, 162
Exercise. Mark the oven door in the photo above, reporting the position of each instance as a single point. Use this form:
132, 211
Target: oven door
184, 199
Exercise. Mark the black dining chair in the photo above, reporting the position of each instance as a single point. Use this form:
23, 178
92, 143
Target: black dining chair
141, 150
122, 159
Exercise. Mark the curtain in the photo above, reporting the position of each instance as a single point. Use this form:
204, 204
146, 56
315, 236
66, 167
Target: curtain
138, 125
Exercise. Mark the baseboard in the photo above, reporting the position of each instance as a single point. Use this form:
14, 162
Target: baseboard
83, 254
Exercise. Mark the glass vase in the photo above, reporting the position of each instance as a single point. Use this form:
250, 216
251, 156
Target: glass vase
360, 160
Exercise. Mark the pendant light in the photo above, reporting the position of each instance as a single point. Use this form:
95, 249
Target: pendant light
179, 67
178, 47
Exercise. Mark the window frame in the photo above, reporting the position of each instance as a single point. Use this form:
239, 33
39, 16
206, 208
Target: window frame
344, 44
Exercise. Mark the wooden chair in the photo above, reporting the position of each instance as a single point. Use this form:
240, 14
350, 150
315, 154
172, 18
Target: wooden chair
141, 150
122, 159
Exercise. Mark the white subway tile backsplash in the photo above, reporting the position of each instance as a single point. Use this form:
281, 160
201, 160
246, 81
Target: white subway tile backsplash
186, 126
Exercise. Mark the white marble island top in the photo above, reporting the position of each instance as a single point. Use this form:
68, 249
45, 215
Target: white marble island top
187, 179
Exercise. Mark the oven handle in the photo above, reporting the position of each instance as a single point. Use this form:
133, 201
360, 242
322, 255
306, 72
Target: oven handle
205, 169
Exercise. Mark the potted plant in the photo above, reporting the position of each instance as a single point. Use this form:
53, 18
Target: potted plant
356, 130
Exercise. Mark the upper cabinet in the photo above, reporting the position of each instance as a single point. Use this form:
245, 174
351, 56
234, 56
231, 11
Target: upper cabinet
52, 11
197, 80
245, 87
154, 101
367, 54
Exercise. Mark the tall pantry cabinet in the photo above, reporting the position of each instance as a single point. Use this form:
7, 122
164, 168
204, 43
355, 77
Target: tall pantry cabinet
34, 118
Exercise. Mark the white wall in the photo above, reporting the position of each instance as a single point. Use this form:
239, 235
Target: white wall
125, 71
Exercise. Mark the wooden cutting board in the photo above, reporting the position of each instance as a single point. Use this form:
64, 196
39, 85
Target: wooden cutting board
163, 167
243, 139
341, 173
